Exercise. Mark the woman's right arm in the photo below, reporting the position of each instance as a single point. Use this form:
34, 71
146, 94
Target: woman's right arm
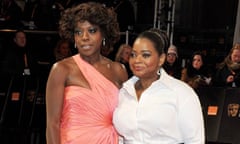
54, 102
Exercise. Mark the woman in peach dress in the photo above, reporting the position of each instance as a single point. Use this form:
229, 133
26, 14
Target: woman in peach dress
82, 90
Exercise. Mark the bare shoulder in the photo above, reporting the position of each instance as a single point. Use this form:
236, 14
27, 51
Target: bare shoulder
116, 66
61, 69
63, 65
118, 71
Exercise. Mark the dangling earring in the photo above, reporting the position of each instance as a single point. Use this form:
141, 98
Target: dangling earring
159, 72
75, 45
104, 42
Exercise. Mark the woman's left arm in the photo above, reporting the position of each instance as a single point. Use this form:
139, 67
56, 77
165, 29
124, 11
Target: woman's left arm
191, 120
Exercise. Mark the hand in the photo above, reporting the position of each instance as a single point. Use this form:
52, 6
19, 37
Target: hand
230, 78
208, 80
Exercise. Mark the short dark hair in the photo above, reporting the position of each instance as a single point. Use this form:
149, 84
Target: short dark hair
96, 14
17, 31
158, 37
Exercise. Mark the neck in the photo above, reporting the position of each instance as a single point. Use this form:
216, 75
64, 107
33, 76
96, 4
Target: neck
144, 83
93, 59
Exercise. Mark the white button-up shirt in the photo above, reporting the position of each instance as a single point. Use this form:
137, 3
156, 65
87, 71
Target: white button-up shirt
168, 112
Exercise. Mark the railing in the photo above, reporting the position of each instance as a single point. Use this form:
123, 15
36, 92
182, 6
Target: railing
126, 33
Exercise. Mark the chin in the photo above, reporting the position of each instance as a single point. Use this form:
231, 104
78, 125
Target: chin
138, 74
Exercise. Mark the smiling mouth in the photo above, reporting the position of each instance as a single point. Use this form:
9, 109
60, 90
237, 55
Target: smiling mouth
137, 68
86, 47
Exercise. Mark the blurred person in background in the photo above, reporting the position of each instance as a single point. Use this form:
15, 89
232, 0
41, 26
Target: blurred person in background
228, 71
62, 50
172, 65
123, 55
196, 73
19, 59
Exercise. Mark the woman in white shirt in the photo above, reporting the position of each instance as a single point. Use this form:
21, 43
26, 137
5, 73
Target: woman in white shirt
155, 108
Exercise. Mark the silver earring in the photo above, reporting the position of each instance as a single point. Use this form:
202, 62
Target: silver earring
104, 42
75, 45
159, 72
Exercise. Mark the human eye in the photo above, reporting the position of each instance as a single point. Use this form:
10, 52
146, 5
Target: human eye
93, 30
146, 55
78, 32
132, 54
195, 60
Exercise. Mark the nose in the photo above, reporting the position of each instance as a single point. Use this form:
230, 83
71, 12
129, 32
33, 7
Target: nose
85, 35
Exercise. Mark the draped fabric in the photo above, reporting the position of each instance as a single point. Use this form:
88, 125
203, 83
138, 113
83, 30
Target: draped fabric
87, 113
237, 26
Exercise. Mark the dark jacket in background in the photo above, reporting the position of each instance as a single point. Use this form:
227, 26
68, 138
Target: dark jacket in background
173, 70
221, 75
